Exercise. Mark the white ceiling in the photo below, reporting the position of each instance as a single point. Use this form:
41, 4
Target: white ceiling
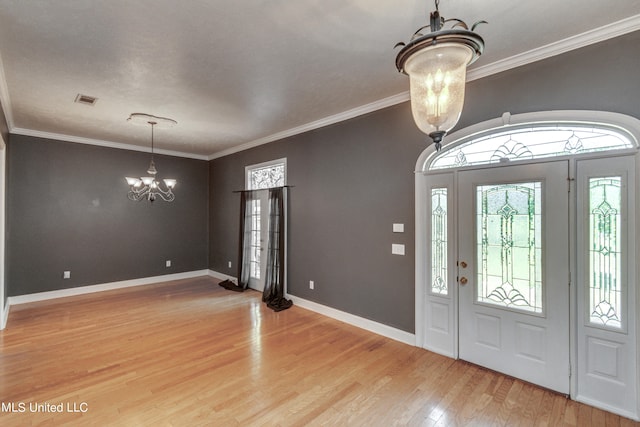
235, 74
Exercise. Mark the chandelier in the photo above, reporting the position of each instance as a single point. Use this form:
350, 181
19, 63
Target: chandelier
437, 67
147, 187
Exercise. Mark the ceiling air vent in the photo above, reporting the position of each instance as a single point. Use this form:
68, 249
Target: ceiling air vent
86, 99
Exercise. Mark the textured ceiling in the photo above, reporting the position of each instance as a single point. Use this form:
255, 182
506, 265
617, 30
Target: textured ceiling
238, 73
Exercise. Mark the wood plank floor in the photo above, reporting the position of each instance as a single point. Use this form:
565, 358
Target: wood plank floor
189, 353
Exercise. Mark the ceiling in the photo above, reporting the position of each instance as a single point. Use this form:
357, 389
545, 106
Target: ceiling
236, 74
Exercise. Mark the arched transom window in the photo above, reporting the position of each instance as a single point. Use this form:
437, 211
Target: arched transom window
532, 141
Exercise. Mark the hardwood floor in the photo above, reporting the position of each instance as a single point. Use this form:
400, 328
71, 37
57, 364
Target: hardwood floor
190, 353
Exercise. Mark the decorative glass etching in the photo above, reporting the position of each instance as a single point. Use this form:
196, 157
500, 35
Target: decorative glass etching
509, 245
256, 243
532, 142
267, 177
439, 236
605, 251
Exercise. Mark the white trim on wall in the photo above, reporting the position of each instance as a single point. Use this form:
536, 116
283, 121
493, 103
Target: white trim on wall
615, 29
424, 176
596, 35
221, 276
43, 296
342, 316
357, 321
326, 121
102, 143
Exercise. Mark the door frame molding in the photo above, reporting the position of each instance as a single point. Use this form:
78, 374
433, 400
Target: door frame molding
423, 182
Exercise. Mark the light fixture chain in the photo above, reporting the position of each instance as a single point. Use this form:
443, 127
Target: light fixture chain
152, 126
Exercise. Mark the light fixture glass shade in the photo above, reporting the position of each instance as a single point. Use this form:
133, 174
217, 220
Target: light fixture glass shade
437, 81
133, 182
147, 180
170, 183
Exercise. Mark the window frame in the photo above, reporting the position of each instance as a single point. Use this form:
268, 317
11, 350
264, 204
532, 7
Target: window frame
248, 169
625, 125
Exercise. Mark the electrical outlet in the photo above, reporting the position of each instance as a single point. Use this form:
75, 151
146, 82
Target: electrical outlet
229, 264
311, 284
168, 263
66, 275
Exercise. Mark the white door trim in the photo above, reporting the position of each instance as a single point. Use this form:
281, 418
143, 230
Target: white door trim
423, 181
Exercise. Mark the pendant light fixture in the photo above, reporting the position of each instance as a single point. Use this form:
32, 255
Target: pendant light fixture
436, 64
147, 187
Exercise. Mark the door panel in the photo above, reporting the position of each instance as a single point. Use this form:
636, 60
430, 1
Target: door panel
513, 290
607, 365
259, 239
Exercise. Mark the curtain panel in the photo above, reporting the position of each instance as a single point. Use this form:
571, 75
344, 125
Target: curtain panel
273, 293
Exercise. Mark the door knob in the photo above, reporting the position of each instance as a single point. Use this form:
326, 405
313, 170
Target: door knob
463, 280
463, 264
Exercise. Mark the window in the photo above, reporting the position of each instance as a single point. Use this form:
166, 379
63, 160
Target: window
439, 283
256, 239
261, 177
267, 175
521, 143
509, 250
605, 251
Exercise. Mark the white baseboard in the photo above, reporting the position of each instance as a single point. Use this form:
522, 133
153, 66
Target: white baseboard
609, 408
5, 315
42, 296
222, 276
360, 322
351, 319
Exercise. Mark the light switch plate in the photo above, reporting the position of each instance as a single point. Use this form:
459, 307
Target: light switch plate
397, 249
398, 228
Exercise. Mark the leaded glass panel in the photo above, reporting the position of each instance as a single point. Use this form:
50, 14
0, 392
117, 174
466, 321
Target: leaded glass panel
533, 142
267, 177
256, 244
439, 284
509, 245
605, 251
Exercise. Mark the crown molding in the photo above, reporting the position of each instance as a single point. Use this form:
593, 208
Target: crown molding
336, 118
102, 143
615, 29
606, 32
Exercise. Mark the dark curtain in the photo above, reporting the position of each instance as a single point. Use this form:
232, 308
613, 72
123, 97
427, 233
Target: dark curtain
244, 244
273, 293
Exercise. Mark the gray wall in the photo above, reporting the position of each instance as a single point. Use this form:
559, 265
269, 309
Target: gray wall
354, 179
67, 209
351, 181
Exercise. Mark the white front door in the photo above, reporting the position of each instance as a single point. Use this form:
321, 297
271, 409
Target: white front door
513, 271
259, 239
